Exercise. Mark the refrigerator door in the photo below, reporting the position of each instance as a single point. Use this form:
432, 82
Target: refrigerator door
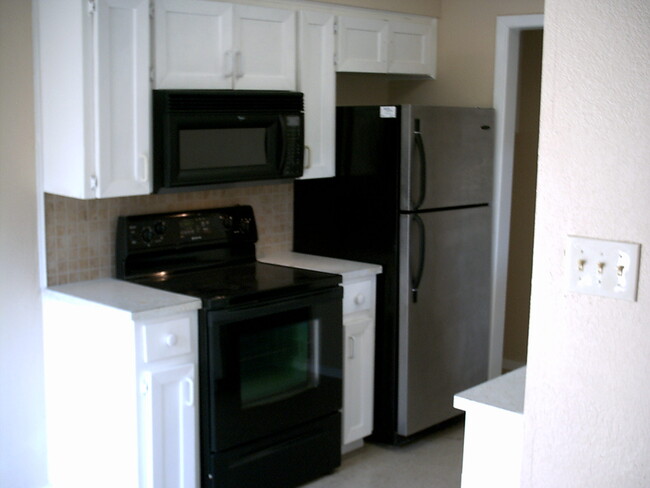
443, 312
446, 157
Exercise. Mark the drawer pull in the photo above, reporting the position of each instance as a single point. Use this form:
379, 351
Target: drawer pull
171, 340
360, 299
352, 347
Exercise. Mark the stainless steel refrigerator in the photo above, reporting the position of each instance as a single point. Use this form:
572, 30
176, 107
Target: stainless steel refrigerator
413, 193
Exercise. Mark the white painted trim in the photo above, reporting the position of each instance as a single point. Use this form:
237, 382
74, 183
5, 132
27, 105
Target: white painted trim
40, 194
506, 65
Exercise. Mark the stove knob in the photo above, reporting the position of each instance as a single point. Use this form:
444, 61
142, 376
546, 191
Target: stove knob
227, 221
160, 227
245, 224
147, 235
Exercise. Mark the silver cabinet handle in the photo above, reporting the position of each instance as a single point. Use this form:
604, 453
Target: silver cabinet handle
352, 341
189, 390
307, 164
228, 64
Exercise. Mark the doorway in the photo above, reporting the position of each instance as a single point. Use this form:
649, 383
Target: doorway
506, 87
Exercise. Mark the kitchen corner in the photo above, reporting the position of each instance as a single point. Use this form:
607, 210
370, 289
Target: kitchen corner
359, 282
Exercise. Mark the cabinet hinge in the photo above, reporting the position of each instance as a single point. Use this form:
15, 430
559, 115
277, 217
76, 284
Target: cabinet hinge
92, 6
93, 182
336, 26
336, 59
152, 9
151, 74
144, 387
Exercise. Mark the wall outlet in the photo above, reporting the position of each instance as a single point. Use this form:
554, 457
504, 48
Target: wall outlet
603, 268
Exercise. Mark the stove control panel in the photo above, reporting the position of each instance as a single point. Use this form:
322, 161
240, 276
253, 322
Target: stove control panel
219, 226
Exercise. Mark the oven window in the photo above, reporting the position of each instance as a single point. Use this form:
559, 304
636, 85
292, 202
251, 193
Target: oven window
277, 362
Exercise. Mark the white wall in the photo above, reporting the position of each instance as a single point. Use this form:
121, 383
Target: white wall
22, 449
587, 406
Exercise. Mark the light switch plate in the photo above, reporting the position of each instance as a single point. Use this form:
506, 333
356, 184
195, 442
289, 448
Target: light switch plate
603, 268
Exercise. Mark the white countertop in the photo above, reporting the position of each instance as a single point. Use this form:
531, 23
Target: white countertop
140, 301
504, 392
349, 270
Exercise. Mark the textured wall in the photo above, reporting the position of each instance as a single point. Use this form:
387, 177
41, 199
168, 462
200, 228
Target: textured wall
587, 419
22, 416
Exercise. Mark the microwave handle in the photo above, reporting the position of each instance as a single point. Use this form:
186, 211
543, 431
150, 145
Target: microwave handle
283, 133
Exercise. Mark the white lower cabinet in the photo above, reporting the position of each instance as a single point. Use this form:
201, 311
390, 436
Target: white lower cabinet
168, 407
358, 368
169, 425
121, 400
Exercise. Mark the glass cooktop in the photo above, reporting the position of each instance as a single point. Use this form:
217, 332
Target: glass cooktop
223, 286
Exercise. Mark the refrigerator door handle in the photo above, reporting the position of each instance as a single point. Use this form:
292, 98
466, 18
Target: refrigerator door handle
419, 149
417, 268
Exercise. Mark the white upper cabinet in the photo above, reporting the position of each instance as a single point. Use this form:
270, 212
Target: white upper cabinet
317, 81
193, 44
206, 44
93, 98
412, 48
386, 43
265, 42
362, 45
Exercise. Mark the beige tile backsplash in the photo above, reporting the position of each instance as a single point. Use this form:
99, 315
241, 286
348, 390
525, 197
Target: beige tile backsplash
80, 234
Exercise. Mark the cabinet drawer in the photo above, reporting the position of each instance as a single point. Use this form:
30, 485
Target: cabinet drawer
358, 296
163, 340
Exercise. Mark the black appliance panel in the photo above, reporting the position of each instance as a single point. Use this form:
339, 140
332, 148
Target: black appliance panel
203, 138
270, 344
273, 366
361, 223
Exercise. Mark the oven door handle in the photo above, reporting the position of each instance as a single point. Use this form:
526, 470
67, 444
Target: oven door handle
215, 360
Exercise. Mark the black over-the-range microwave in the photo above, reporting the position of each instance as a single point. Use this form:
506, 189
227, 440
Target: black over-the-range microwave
203, 138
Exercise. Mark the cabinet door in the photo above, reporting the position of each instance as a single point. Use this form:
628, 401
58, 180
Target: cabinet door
265, 44
317, 80
193, 44
412, 48
358, 376
362, 45
170, 427
122, 106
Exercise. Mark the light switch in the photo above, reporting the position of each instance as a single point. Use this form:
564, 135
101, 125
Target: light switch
603, 268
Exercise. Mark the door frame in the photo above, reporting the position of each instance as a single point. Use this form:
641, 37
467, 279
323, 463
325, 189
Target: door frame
506, 69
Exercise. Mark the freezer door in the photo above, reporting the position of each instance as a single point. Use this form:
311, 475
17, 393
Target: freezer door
446, 159
444, 312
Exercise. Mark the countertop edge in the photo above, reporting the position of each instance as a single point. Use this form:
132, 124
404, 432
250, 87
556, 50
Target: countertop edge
349, 270
505, 392
141, 302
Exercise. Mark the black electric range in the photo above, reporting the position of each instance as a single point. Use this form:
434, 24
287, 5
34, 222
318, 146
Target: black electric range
270, 345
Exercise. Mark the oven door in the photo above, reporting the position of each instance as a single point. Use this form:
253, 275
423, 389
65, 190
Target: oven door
272, 366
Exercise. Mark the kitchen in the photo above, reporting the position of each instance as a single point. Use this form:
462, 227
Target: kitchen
62, 169
80, 233
446, 87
